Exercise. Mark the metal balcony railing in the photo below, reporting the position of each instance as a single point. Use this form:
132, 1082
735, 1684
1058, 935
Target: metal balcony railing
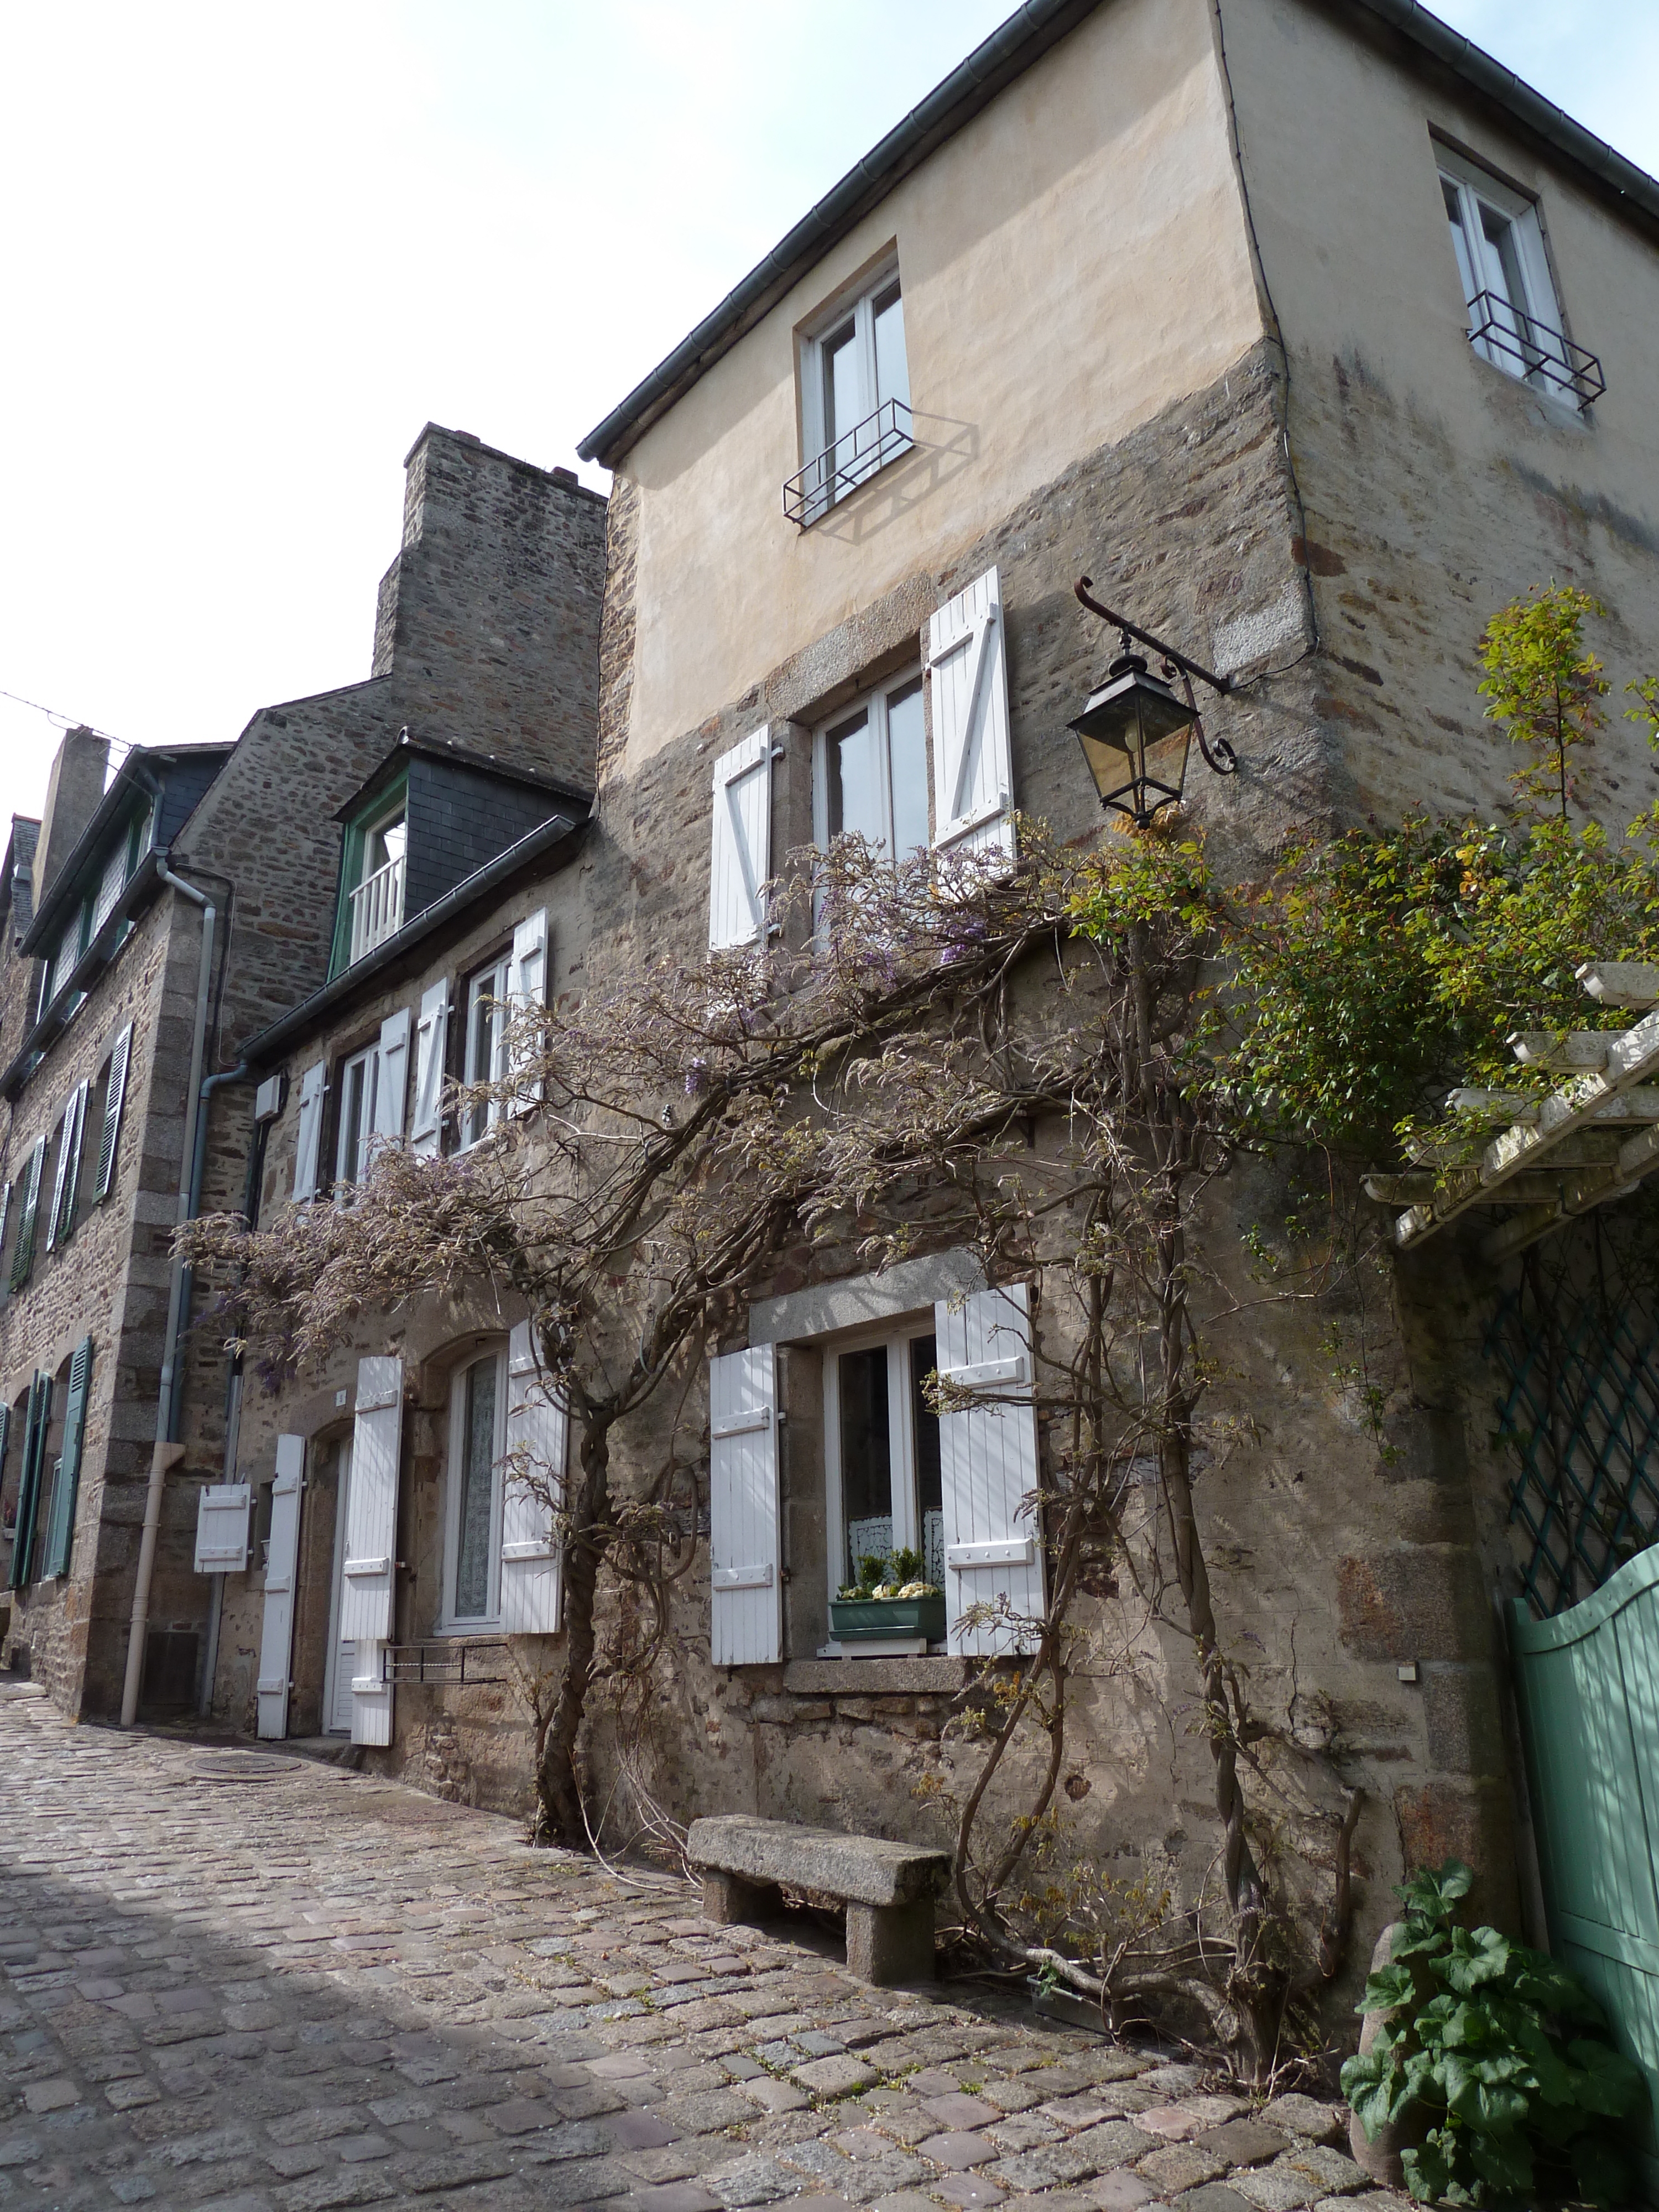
855, 455
377, 908
1537, 352
482, 1659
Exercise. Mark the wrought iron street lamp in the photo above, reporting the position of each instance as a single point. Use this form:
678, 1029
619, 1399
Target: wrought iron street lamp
1136, 731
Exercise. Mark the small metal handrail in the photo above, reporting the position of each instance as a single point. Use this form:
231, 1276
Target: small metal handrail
868, 446
1496, 323
377, 908
445, 1661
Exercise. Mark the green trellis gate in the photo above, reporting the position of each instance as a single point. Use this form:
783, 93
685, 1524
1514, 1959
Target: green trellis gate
1588, 1685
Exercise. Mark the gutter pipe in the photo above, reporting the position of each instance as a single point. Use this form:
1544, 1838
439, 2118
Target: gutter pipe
165, 1453
240, 1073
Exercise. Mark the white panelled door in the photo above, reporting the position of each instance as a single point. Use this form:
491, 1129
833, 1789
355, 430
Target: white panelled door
367, 1573
342, 1656
746, 1598
973, 753
989, 1470
531, 1547
740, 856
276, 1631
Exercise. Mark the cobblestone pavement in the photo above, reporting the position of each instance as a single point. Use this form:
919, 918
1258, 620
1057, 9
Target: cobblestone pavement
241, 1982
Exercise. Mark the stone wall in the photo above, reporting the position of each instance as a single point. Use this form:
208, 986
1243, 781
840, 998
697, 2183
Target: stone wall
490, 635
490, 615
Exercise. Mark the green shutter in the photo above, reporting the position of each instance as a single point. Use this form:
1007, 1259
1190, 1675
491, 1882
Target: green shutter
120, 1054
28, 1495
60, 1522
22, 1258
69, 1168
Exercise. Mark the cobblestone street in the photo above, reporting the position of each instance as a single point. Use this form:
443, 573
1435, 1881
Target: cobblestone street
247, 1982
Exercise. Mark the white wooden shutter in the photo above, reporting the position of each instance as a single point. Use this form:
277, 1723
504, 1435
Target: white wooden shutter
526, 986
120, 1058
973, 757
366, 1584
391, 1081
221, 1516
308, 1144
530, 1564
740, 857
431, 1037
988, 1466
746, 1603
277, 1631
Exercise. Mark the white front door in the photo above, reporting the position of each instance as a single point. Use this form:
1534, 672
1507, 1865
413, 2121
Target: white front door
342, 1657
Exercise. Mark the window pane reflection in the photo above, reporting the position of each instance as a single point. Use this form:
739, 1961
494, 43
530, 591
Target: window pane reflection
867, 1465
906, 750
477, 1462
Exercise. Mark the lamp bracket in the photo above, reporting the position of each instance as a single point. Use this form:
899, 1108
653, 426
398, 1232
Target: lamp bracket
1129, 629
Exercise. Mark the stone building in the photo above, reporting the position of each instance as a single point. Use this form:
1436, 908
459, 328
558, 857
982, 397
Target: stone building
1313, 337
155, 928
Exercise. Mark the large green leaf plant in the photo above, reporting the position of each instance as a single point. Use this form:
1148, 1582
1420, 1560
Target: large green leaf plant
1497, 2056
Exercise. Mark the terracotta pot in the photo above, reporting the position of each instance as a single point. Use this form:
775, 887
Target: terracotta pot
1379, 2156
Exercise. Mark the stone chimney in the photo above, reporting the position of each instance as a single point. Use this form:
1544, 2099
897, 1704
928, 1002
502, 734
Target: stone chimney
77, 785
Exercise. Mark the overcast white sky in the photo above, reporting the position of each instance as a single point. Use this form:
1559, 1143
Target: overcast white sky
246, 253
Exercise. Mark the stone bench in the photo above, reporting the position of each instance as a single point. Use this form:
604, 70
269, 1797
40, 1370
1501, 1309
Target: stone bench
888, 1888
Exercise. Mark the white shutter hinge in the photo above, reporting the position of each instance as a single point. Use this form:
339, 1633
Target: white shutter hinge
737, 1578
739, 1425
366, 1567
985, 1372
541, 1549
1017, 1551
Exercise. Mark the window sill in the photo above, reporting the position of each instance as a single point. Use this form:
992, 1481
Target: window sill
875, 1677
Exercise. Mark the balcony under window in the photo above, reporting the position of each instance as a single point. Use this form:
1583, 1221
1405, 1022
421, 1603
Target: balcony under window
377, 902
431, 815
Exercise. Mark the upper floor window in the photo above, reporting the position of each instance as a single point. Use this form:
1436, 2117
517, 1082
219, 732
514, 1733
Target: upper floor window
122, 856
485, 1058
358, 1080
1514, 320
870, 772
377, 897
855, 398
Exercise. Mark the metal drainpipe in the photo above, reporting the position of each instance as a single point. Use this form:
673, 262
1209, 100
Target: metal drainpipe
233, 1394
165, 1453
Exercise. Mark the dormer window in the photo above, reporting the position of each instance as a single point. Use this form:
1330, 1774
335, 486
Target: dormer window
855, 397
377, 904
374, 864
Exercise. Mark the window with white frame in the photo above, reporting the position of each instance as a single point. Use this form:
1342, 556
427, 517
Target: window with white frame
958, 1487
485, 1058
472, 1547
357, 1103
855, 397
1514, 320
870, 771
881, 1456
